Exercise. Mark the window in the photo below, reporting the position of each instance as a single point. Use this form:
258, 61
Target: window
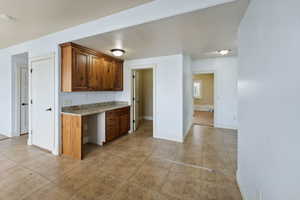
198, 89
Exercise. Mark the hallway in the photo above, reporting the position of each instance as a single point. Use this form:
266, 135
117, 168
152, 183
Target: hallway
203, 118
135, 166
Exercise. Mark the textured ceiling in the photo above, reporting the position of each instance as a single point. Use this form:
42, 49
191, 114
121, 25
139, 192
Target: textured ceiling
36, 18
198, 34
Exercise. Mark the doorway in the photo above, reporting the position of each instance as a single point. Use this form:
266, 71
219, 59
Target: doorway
42, 94
20, 98
203, 93
24, 100
143, 101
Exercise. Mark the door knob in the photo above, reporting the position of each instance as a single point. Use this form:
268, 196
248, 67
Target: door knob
24, 104
49, 109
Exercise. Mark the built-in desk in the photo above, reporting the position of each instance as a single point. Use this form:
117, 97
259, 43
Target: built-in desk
93, 123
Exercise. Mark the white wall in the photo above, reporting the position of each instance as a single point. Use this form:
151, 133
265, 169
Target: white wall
154, 10
269, 85
187, 94
225, 86
168, 78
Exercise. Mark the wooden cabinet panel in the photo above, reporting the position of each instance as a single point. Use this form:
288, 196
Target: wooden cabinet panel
72, 137
83, 69
80, 70
117, 123
95, 74
108, 74
124, 123
118, 79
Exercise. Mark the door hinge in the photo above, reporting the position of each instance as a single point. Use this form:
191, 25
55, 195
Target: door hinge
133, 121
133, 98
133, 76
31, 70
31, 102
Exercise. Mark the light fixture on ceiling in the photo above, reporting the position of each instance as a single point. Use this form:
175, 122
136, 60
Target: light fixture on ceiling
117, 52
7, 17
224, 52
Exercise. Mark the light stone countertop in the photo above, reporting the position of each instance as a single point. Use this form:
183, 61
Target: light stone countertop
91, 109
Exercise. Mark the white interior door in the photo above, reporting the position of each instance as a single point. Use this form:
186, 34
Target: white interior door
24, 100
136, 100
42, 108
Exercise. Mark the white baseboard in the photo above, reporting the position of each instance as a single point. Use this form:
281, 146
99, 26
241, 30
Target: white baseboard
148, 117
169, 139
187, 131
225, 126
238, 181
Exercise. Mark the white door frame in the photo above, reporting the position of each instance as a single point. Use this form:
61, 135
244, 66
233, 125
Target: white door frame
19, 102
50, 56
17, 120
216, 109
135, 82
15, 78
140, 67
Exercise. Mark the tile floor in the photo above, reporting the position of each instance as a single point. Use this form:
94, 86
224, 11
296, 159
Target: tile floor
3, 137
134, 167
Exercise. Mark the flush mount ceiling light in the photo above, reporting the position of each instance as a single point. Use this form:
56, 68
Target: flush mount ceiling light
224, 52
117, 52
6, 17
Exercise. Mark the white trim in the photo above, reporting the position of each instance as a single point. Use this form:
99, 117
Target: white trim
154, 68
188, 130
225, 126
214, 72
238, 181
15, 99
50, 56
17, 126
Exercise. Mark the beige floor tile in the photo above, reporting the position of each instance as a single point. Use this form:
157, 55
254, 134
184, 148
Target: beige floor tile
150, 177
136, 166
99, 187
135, 192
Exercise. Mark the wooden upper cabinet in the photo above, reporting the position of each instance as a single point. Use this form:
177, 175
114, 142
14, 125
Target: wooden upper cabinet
107, 74
118, 79
95, 71
80, 68
83, 69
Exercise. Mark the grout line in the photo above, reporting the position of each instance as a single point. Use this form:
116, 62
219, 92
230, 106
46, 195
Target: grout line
188, 165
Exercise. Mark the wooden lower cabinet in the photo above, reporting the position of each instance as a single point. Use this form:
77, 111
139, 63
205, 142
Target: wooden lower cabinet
73, 131
117, 123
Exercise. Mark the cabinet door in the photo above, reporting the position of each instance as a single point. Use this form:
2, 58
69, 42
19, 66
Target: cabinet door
124, 124
95, 71
112, 126
124, 120
108, 74
118, 80
80, 70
